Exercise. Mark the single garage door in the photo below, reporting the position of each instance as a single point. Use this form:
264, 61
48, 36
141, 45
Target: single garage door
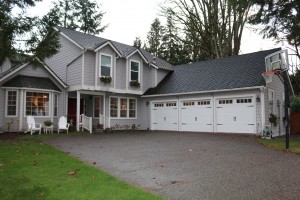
165, 116
197, 115
236, 115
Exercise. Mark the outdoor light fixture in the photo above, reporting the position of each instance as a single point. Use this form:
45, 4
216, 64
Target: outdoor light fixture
257, 98
147, 103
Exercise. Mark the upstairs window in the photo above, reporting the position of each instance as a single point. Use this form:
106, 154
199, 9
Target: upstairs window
105, 65
134, 71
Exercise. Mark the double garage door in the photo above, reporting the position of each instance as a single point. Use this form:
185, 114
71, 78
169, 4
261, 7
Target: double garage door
236, 115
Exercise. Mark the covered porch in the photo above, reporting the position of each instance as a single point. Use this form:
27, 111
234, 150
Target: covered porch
87, 110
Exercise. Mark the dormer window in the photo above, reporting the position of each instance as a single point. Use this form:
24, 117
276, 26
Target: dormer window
134, 71
105, 65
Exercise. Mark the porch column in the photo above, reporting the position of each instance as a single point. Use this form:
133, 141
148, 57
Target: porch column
21, 108
263, 110
77, 110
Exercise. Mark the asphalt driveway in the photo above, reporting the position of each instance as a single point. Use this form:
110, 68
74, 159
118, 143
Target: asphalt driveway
191, 165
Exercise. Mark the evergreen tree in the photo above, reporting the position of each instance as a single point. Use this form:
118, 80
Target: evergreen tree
21, 34
137, 43
154, 38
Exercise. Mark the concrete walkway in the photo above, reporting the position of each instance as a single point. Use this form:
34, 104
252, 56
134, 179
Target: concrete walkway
191, 165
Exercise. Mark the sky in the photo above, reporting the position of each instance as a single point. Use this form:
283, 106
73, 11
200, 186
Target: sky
128, 19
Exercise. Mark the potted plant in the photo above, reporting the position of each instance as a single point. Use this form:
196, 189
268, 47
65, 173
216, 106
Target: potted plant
105, 79
273, 121
135, 83
48, 123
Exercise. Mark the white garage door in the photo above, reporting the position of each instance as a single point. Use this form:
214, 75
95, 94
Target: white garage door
165, 116
236, 115
197, 115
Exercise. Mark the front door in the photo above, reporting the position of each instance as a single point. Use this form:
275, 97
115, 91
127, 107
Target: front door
72, 110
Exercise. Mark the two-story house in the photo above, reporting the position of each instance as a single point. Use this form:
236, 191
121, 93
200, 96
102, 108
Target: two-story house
118, 85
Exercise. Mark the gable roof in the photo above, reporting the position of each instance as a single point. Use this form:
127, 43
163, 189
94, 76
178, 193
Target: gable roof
92, 42
241, 71
20, 66
22, 81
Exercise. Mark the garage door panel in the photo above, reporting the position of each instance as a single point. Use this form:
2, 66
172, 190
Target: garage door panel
196, 117
165, 116
236, 115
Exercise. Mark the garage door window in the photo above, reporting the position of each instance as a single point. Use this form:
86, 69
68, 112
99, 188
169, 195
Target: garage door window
158, 105
172, 104
205, 102
188, 103
226, 101
244, 100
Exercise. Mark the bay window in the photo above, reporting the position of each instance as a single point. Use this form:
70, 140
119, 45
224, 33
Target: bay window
37, 103
114, 107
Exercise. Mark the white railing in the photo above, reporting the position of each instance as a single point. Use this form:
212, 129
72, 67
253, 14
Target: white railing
104, 120
86, 122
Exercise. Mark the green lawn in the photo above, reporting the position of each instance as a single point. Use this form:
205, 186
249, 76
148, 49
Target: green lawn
33, 170
279, 144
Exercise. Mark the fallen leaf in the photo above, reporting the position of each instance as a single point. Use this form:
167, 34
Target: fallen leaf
73, 172
190, 150
94, 163
68, 152
94, 177
1, 165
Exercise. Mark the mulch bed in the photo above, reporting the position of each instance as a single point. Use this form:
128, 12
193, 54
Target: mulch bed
10, 136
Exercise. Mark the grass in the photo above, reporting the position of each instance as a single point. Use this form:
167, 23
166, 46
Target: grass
279, 144
34, 170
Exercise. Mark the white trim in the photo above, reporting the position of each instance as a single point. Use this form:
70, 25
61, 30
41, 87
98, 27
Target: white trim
82, 69
77, 110
69, 39
119, 107
273, 100
155, 77
202, 92
17, 102
138, 51
154, 66
12, 72
126, 75
96, 67
139, 72
45, 66
111, 45
111, 64
115, 71
262, 107
33, 89
21, 110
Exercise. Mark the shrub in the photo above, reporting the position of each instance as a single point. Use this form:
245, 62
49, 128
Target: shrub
135, 83
295, 104
48, 123
105, 79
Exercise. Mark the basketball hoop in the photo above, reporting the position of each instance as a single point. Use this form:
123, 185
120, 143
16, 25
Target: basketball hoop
268, 76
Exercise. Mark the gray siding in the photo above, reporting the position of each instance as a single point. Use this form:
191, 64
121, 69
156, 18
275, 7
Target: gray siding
89, 68
121, 74
67, 53
5, 66
161, 73
74, 73
147, 77
277, 86
30, 70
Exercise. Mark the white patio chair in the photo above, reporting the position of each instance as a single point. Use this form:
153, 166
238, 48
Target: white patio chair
62, 124
32, 126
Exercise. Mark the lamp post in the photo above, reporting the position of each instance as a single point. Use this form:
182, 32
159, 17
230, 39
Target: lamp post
286, 112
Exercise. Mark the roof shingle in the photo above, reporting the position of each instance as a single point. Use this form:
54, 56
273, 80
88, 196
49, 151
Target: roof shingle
239, 71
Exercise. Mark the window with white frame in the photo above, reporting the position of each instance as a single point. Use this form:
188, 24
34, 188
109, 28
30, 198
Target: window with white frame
37, 103
114, 107
134, 71
11, 103
132, 108
55, 105
271, 101
105, 65
122, 107
98, 106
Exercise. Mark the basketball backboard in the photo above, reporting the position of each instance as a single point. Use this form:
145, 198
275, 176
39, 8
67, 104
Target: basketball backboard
277, 61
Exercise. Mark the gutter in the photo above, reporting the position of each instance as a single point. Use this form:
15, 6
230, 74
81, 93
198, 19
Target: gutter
202, 92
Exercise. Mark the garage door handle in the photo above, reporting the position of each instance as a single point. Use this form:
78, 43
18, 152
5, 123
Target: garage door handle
183, 123
219, 124
219, 107
183, 108
208, 124
208, 107
154, 109
251, 124
174, 123
154, 123
250, 106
